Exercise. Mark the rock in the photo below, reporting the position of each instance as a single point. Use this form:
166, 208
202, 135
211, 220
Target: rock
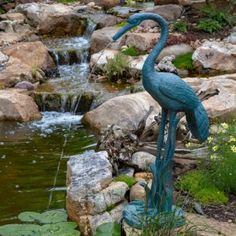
9, 38
123, 12
117, 212
132, 108
142, 160
103, 3
18, 17
102, 37
231, 38
129, 231
219, 56
137, 192
25, 85
53, 19
90, 191
175, 50
170, 12
14, 72
17, 107
143, 176
166, 64
164, 2
126, 171
106, 20
33, 54
142, 42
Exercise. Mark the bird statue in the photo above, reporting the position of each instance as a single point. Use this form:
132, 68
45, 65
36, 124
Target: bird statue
174, 95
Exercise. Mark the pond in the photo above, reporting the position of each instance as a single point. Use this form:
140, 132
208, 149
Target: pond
29, 158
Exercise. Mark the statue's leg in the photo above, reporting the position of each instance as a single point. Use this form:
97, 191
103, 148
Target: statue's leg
160, 139
167, 163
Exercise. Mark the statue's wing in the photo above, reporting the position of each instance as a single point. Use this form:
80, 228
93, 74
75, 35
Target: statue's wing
179, 91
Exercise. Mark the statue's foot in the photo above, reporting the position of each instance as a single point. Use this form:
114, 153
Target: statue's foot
137, 215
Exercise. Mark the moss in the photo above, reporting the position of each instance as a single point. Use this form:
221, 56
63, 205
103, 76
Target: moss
184, 61
199, 184
121, 24
130, 181
111, 207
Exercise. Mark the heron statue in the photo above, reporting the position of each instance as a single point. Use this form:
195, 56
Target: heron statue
173, 95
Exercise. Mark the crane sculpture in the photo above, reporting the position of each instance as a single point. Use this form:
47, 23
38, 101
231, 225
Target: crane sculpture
173, 95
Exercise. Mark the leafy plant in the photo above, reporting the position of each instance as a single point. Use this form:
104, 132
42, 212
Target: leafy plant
184, 61
209, 25
180, 26
121, 24
129, 51
108, 229
117, 68
50, 223
130, 181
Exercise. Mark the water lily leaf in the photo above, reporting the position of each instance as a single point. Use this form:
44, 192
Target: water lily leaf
20, 230
48, 217
62, 228
108, 229
28, 216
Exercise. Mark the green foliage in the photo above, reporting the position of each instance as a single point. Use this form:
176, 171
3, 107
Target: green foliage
130, 51
222, 165
121, 24
199, 184
215, 19
130, 2
117, 68
108, 229
50, 223
184, 61
180, 26
67, 1
130, 181
209, 25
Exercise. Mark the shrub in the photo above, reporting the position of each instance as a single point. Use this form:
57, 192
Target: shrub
209, 25
130, 51
130, 181
184, 61
180, 26
117, 68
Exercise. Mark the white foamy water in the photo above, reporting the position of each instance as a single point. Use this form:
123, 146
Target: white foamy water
54, 120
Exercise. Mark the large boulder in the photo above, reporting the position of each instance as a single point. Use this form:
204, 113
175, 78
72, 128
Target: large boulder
33, 54
102, 37
16, 106
218, 56
170, 12
90, 190
53, 19
125, 111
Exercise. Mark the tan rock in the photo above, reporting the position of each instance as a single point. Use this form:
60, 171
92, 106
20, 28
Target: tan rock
33, 54
17, 107
18, 17
143, 176
103, 3
131, 109
137, 192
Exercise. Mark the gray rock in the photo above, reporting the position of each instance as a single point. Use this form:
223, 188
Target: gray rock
166, 64
126, 171
123, 12
231, 38
3, 58
25, 85
117, 212
142, 160
218, 56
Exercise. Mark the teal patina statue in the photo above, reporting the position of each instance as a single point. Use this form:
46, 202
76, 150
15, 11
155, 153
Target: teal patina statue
174, 96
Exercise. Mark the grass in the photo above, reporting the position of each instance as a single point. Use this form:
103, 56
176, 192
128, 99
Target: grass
184, 61
130, 51
67, 1
130, 181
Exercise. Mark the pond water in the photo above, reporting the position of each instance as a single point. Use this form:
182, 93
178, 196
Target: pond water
29, 157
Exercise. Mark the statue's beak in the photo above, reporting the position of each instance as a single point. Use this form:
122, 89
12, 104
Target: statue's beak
122, 31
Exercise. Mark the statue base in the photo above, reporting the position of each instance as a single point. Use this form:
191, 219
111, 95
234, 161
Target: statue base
138, 216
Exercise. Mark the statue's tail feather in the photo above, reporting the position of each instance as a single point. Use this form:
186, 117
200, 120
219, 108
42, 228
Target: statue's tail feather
198, 123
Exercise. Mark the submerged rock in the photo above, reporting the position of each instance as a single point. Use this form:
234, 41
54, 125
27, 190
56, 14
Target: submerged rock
16, 106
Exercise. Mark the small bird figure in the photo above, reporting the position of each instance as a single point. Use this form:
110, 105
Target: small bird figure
174, 95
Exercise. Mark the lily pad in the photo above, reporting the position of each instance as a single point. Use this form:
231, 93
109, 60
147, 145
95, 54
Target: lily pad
20, 230
48, 217
111, 229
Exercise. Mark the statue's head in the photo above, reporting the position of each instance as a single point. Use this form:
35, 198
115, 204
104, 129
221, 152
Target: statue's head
132, 21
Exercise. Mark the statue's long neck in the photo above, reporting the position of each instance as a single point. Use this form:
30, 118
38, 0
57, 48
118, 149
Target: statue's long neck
149, 64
